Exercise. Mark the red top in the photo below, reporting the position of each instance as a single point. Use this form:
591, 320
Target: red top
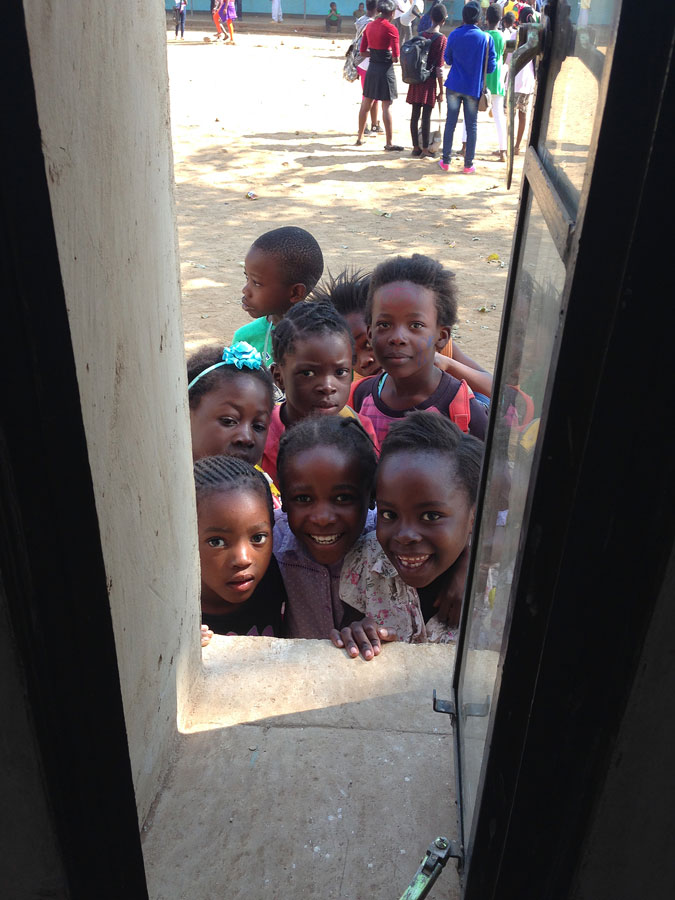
380, 35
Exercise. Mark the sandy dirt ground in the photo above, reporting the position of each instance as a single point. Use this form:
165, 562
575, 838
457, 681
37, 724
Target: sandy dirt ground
273, 115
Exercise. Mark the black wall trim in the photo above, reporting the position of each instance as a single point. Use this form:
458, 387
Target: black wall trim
50, 554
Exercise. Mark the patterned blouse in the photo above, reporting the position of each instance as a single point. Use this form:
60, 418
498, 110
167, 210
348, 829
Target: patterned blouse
371, 584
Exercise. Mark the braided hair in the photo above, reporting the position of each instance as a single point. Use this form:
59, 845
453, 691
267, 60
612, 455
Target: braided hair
219, 474
209, 355
305, 318
297, 254
348, 291
428, 432
344, 433
421, 270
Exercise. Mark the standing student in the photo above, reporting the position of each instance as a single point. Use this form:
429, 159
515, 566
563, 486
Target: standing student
523, 86
423, 97
381, 46
179, 12
277, 11
412, 306
215, 15
465, 54
362, 63
495, 80
281, 267
228, 13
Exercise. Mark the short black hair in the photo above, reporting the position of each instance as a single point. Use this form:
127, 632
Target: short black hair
508, 19
219, 474
209, 355
348, 291
420, 270
307, 317
492, 14
345, 433
297, 252
371, 5
438, 13
428, 432
471, 13
386, 6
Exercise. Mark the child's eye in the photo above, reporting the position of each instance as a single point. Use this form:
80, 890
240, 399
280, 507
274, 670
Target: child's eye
216, 543
260, 538
308, 373
431, 516
386, 514
342, 372
227, 421
382, 325
260, 426
302, 498
417, 324
345, 498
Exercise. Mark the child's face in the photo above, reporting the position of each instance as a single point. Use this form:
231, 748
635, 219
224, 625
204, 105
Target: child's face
424, 517
365, 359
266, 292
325, 501
404, 329
316, 376
235, 546
232, 420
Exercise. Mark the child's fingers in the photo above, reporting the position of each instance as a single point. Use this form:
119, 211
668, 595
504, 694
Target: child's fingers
386, 634
335, 638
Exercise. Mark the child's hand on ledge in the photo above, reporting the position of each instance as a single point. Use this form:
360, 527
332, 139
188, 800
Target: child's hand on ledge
205, 635
364, 636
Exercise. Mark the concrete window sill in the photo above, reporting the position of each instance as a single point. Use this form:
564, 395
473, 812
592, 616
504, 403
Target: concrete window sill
303, 773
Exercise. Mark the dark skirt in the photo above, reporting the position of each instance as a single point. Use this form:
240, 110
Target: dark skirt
380, 83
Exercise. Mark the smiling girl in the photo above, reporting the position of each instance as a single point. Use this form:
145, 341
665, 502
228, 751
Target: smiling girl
326, 470
427, 482
242, 591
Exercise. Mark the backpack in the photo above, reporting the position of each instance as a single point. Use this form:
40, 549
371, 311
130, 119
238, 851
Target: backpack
414, 55
353, 56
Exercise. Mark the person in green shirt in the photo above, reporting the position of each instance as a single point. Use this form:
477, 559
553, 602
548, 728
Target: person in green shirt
282, 267
495, 81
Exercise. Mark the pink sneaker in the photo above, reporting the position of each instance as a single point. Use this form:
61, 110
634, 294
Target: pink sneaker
470, 170
445, 166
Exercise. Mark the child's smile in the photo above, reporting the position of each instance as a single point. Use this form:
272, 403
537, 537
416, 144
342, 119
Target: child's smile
424, 519
325, 501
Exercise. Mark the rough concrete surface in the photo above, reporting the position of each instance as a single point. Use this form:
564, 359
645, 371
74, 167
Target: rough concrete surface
306, 774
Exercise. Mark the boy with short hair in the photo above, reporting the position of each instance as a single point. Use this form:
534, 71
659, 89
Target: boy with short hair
282, 267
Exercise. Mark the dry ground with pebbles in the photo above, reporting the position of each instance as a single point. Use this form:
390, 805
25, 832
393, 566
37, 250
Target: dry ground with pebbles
273, 115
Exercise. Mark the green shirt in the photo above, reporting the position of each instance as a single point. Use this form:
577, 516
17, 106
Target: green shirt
257, 333
494, 79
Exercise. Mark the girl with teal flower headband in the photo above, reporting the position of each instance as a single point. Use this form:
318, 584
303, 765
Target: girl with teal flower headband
231, 397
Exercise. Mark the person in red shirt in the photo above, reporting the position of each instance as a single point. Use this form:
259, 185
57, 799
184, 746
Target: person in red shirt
380, 44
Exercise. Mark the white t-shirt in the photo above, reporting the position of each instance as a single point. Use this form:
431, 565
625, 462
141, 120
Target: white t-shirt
524, 80
408, 17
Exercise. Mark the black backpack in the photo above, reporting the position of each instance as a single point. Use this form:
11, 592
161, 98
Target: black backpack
414, 55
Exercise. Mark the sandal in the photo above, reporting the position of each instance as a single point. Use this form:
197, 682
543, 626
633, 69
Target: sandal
393, 148
417, 151
358, 143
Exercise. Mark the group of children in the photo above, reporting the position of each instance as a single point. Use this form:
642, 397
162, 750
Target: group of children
337, 446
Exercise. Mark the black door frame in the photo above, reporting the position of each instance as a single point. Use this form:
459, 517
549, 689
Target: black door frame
600, 508
51, 563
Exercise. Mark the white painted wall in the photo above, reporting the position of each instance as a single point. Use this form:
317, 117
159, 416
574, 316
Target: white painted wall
102, 91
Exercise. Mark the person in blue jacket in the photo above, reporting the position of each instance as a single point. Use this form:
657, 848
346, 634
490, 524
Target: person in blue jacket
465, 54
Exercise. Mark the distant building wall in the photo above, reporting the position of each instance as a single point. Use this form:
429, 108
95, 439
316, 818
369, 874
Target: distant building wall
102, 92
